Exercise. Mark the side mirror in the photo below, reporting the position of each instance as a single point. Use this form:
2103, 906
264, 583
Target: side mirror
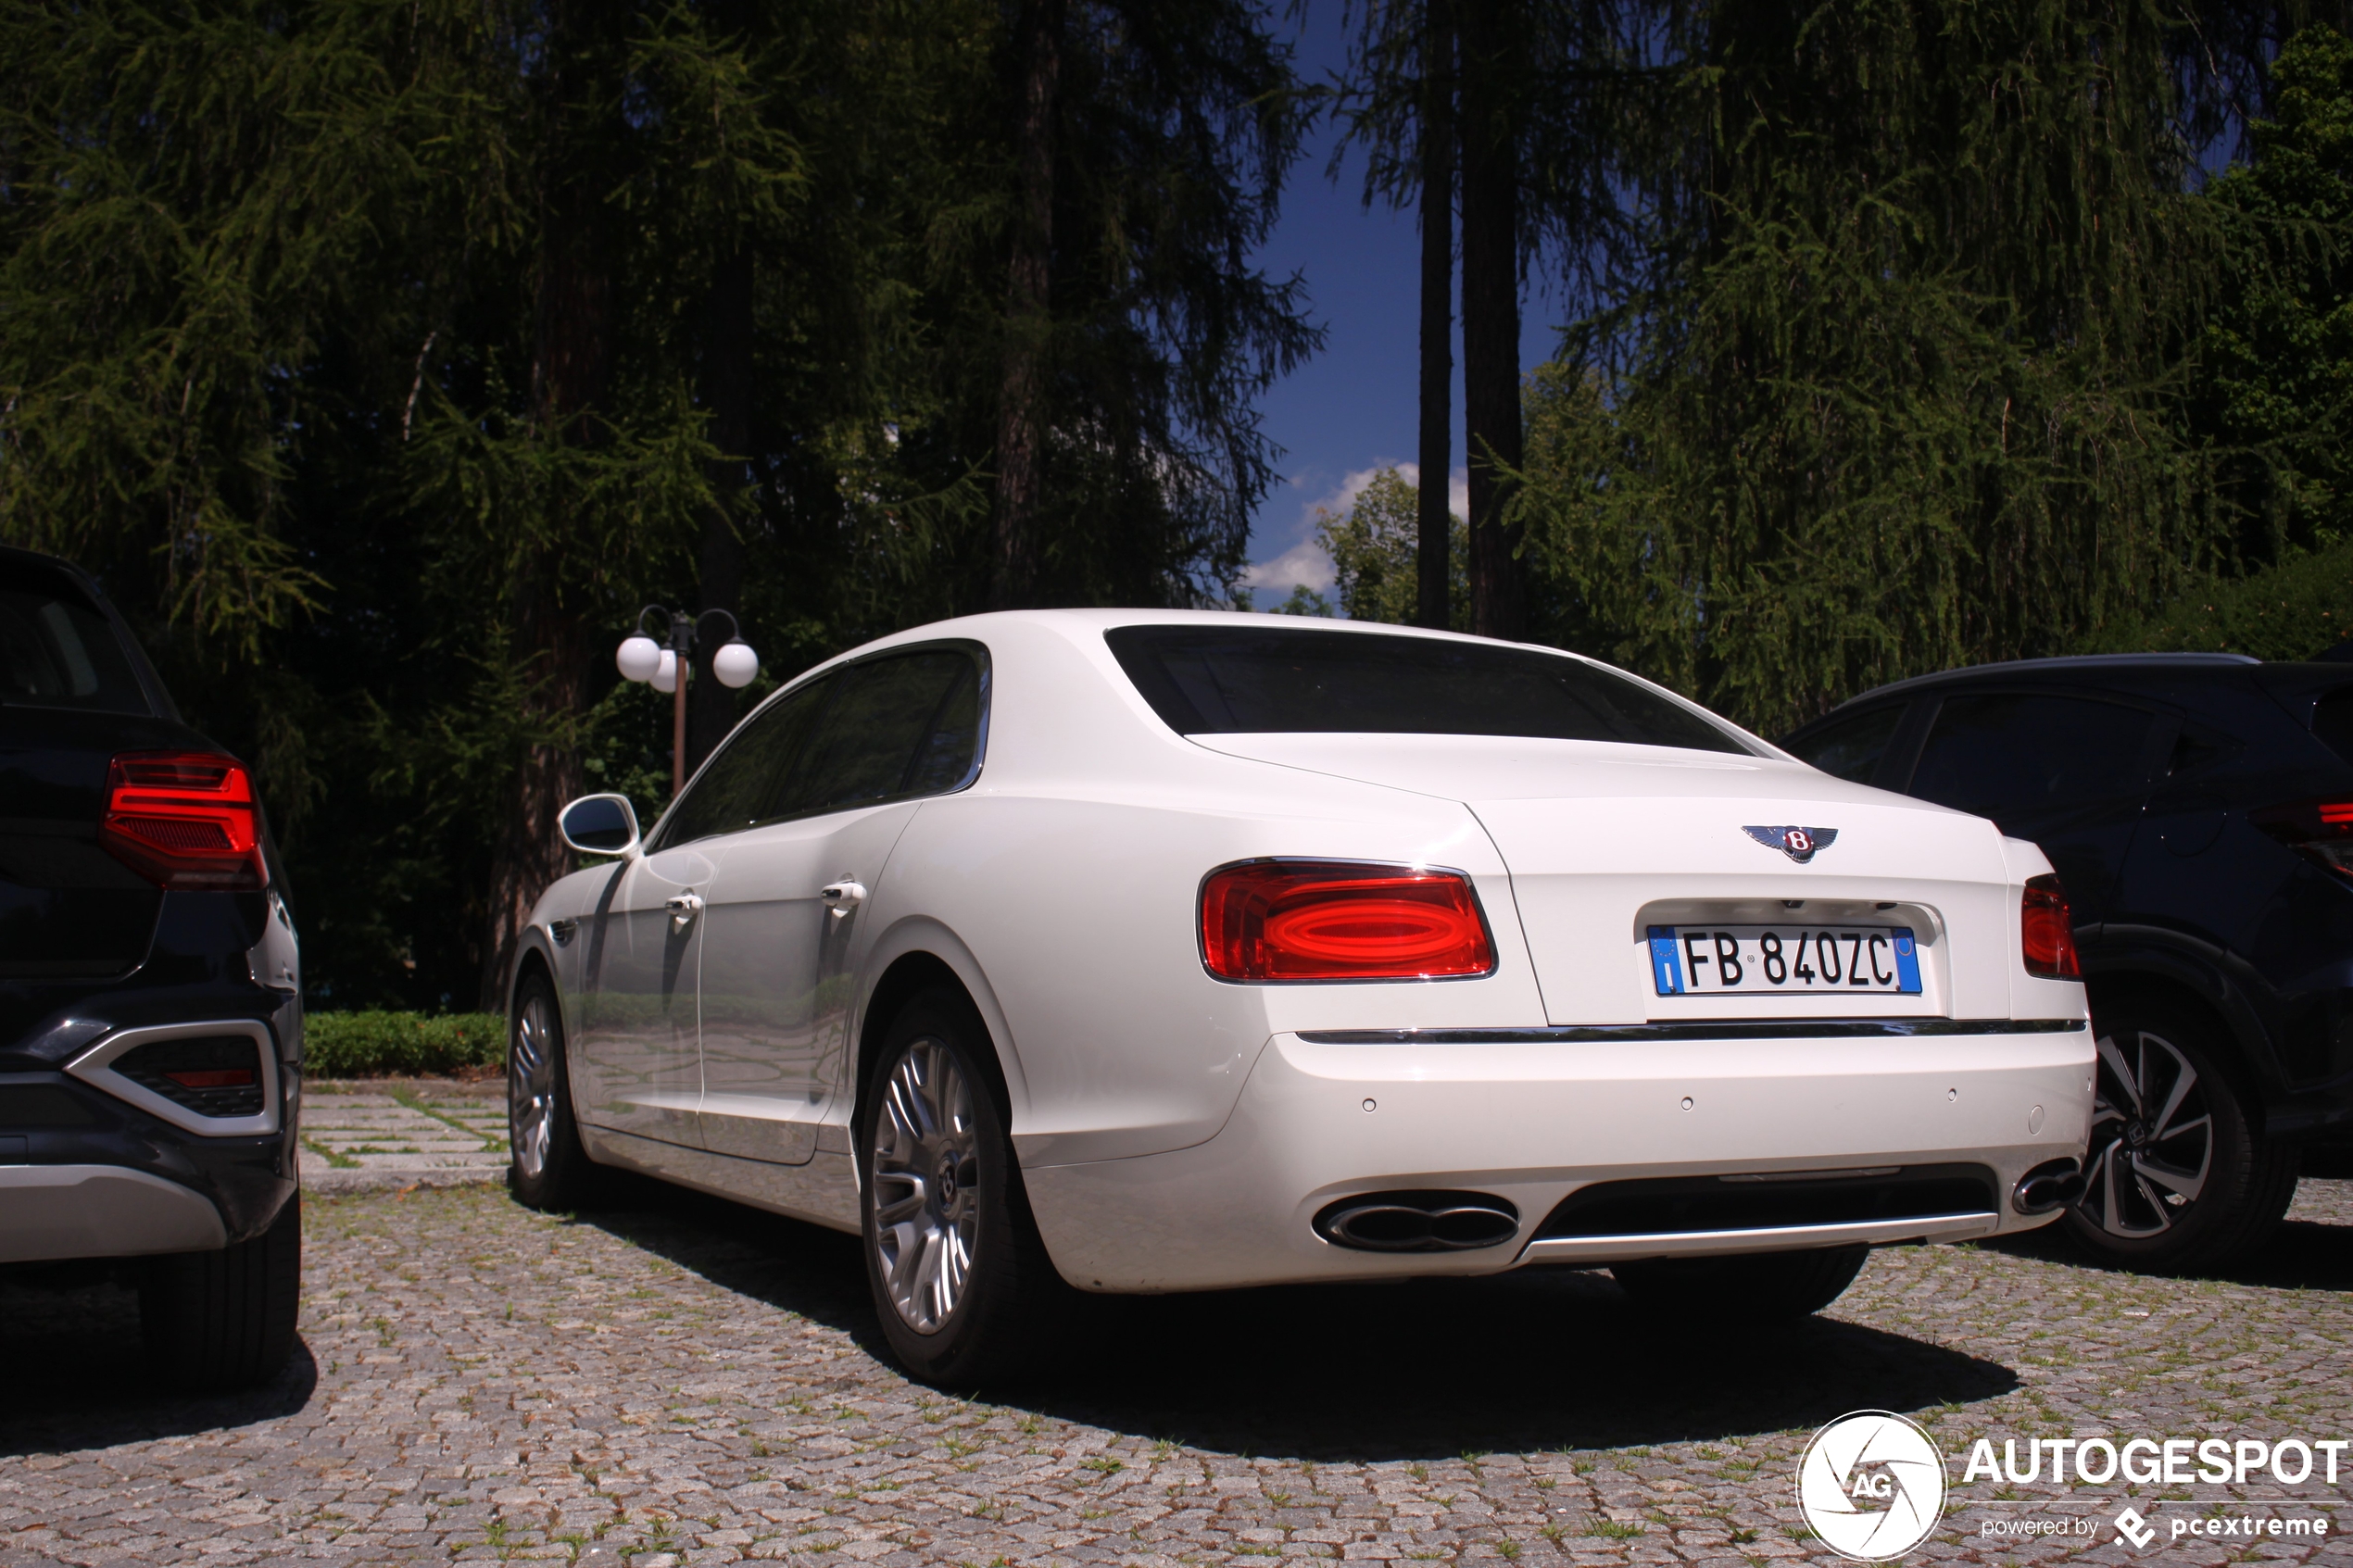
600, 824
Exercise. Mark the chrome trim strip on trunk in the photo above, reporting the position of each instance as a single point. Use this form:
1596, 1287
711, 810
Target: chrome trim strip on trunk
1790, 1238
1709, 1029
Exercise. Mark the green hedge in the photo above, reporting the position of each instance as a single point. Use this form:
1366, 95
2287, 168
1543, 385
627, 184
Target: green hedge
380, 1044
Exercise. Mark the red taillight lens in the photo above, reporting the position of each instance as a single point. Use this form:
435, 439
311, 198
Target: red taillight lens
1320, 919
2046, 931
2321, 829
183, 819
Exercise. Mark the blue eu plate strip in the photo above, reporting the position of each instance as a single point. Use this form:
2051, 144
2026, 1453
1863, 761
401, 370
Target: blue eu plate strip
1907, 962
1666, 964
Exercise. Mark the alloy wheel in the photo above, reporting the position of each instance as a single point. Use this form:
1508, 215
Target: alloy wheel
531, 1088
926, 1171
2152, 1138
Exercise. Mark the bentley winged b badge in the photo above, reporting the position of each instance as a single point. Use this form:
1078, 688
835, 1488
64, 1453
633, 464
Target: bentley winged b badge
1797, 842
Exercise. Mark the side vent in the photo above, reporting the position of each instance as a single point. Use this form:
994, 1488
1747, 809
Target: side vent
214, 1075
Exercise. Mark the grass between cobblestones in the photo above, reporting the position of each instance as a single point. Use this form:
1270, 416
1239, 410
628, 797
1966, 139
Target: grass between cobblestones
677, 1380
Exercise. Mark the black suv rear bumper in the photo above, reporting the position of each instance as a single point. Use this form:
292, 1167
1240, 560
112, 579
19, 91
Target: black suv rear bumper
86, 1173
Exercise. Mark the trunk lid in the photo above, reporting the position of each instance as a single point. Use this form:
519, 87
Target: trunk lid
1607, 841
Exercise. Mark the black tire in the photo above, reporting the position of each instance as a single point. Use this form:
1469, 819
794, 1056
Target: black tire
223, 1320
1747, 1287
2194, 1189
547, 1165
962, 1283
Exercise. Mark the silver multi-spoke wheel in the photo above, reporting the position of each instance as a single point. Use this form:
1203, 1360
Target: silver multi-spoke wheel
927, 1173
531, 1086
2152, 1136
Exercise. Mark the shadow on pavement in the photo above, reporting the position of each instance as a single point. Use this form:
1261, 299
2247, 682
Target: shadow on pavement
2300, 1255
1430, 1369
76, 1377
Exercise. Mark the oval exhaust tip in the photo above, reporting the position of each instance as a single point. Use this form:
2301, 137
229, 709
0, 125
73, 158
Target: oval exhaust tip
2048, 1187
1418, 1221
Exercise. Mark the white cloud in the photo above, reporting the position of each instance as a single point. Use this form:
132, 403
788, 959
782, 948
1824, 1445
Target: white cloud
1305, 565
1354, 485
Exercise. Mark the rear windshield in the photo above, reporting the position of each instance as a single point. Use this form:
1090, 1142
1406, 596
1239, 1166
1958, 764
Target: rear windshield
58, 650
1236, 680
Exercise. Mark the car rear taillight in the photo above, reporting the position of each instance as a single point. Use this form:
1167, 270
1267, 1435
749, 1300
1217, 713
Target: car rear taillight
1324, 919
2322, 829
183, 819
2047, 932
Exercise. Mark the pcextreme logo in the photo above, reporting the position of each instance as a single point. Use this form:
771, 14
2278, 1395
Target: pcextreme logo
1871, 1484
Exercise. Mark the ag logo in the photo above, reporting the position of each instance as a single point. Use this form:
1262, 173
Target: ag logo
1871, 1484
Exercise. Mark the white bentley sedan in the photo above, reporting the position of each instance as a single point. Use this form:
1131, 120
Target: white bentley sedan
1160, 950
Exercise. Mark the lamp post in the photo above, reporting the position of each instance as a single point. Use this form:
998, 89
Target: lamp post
665, 665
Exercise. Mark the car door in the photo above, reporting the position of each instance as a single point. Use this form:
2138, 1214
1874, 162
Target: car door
783, 914
2067, 770
635, 1063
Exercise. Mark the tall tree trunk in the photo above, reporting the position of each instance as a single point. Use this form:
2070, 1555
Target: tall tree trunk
1491, 315
569, 364
1434, 513
727, 395
1028, 312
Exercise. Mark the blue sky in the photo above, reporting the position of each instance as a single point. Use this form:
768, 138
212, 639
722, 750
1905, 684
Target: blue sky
1351, 409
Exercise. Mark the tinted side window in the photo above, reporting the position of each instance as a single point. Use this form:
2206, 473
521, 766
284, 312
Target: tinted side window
1851, 748
1996, 754
893, 722
56, 651
753, 771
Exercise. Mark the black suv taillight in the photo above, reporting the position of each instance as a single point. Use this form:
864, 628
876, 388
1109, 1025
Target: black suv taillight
2046, 931
212, 1075
183, 819
2321, 830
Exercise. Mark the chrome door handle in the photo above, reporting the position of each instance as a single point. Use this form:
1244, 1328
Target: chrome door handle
682, 908
844, 895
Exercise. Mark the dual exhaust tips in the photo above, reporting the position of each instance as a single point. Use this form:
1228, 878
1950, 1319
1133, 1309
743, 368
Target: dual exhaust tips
1458, 1221
1418, 1221
2056, 1183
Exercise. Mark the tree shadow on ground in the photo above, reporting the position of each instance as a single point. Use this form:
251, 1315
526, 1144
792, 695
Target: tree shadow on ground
77, 1377
2300, 1255
1540, 1359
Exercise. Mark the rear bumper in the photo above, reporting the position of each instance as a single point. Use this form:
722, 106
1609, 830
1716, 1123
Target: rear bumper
56, 1212
1532, 1118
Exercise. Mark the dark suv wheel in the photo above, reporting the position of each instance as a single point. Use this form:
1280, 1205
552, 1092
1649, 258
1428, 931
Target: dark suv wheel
2179, 1176
225, 1318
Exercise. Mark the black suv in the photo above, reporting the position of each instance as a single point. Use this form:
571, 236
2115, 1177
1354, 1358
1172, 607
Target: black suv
2199, 809
150, 1010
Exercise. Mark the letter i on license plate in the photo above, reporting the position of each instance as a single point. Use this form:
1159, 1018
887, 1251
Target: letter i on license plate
1704, 960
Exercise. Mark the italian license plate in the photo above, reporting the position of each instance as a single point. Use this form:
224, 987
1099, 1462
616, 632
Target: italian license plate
1708, 960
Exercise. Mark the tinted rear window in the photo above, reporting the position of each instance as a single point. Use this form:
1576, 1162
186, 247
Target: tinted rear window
1996, 754
1235, 680
1851, 748
58, 650
2333, 721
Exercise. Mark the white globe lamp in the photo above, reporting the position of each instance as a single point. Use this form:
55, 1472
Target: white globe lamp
666, 675
638, 658
734, 664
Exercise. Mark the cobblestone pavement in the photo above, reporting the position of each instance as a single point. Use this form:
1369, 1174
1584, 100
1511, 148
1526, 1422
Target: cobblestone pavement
362, 1135
677, 1380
